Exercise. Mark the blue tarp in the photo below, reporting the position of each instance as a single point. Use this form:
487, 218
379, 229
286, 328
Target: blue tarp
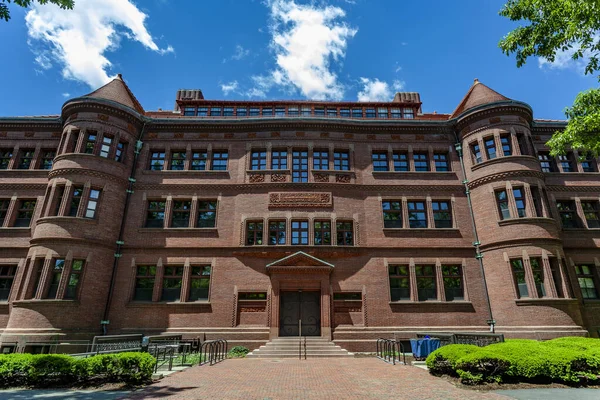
421, 348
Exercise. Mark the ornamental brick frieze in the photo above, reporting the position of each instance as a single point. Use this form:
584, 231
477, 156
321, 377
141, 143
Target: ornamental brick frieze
39, 125
342, 178
277, 178
321, 177
562, 188
518, 243
104, 124
256, 178
503, 125
252, 188
505, 176
300, 199
100, 107
252, 309
87, 172
472, 115
24, 186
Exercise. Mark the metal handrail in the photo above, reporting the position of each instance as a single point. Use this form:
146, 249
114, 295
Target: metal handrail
305, 347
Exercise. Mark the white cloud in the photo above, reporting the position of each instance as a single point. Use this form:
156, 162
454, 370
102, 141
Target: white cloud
229, 87
305, 40
66, 94
78, 39
240, 53
564, 59
376, 90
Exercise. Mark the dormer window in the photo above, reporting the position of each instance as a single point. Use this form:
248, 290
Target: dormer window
408, 113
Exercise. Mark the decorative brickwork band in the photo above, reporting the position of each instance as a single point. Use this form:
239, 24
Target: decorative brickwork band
300, 199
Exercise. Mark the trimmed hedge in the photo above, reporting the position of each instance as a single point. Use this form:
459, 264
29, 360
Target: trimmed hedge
56, 369
569, 360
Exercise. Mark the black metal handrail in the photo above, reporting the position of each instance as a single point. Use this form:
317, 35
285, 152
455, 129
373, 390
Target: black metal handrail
214, 351
389, 350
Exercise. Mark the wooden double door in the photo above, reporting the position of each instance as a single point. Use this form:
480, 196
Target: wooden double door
300, 306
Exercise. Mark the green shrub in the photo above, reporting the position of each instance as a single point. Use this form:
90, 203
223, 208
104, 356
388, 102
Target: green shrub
238, 352
443, 360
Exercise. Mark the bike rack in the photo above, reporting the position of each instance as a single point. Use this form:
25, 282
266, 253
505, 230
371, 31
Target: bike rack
387, 350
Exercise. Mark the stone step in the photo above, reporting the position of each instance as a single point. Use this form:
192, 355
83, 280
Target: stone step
308, 351
292, 355
295, 345
290, 348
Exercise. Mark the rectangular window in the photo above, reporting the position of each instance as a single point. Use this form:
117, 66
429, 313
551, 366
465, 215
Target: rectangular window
74, 279
380, 161
591, 212
92, 204
519, 276
267, 111
400, 160
279, 159
189, 111
453, 282
556, 276
300, 233
55, 275
258, 160
157, 160
293, 111
341, 160
382, 113
24, 213
522, 141
90, 142
321, 159
408, 113
306, 111
155, 216
568, 214
421, 161
490, 147
546, 162
254, 233
395, 113
219, 160
75, 201
144, 282
319, 111
48, 158
538, 275
344, 112
280, 111
417, 214
241, 111
370, 113
519, 194
392, 214
5, 156
331, 112
181, 214
215, 111
202, 111
277, 233
505, 141
120, 152
171, 288
207, 214
426, 287
72, 145
345, 233
254, 111
587, 281
105, 147
177, 160
357, 113
25, 159
537, 201
441, 162
228, 111
200, 283
199, 160
502, 202
7, 275
300, 166
399, 282
442, 214
566, 162
4, 203
60, 192
588, 164
322, 232
476, 152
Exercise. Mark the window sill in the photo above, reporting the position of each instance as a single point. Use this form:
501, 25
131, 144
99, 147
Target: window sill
39, 172
526, 220
502, 159
268, 171
136, 304
570, 173
87, 155
170, 230
332, 171
579, 229
15, 228
50, 219
207, 172
421, 229
412, 174
432, 302
544, 301
68, 303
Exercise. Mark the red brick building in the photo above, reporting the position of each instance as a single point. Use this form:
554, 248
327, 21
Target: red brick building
236, 219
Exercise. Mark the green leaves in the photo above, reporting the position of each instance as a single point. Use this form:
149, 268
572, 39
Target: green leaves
5, 14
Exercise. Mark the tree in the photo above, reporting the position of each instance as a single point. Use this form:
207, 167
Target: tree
5, 14
556, 26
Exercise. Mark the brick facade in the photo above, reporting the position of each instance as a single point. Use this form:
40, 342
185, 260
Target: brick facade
195, 221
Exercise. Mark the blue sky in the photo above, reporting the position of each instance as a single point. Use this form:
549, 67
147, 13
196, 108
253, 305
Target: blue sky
272, 49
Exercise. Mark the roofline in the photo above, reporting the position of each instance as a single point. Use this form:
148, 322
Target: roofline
495, 103
112, 103
299, 102
31, 119
303, 253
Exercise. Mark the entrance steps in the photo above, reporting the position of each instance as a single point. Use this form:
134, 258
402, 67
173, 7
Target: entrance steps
288, 347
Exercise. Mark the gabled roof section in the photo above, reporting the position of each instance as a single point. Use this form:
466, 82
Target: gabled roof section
118, 91
478, 95
300, 259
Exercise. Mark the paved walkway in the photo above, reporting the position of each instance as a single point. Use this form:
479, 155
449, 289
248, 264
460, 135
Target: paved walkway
552, 394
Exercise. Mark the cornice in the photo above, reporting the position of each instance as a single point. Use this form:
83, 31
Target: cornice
23, 186
56, 173
511, 107
520, 242
497, 125
504, 176
562, 188
64, 240
30, 123
84, 104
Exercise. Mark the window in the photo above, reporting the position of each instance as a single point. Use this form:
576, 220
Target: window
426, 287
502, 201
157, 160
254, 233
120, 152
319, 111
357, 113
155, 216
228, 111
382, 113
4, 203
254, 111
276, 232
537, 203
181, 214
490, 147
171, 288
519, 276
299, 166
258, 160
476, 151
380, 161
587, 281
299, 232
75, 200
421, 162
48, 159
546, 162
5, 156
90, 142
267, 111
399, 282
144, 282
556, 276
441, 162
344, 112
408, 113
453, 282
215, 111
592, 214
538, 275
280, 111
189, 111
200, 283
321, 159
202, 111
105, 147
279, 159
400, 162
198, 161
566, 162
74, 279
92, 204
522, 140
417, 214
348, 296
72, 145
177, 160
395, 113
392, 214
293, 111
322, 232
568, 214
345, 233
55, 275
370, 113
588, 164
7, 275
306, 111
520, 201
207, 214
505, 141
442, 214
60, 192
24, 213
331, 112
219, 160
25, 159
341, 160
241, 111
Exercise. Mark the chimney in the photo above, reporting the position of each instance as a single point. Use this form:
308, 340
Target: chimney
408, 97
188, 94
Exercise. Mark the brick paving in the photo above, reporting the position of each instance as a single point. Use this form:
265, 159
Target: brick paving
355, 378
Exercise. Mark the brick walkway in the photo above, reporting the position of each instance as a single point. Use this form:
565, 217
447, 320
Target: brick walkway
354, 378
